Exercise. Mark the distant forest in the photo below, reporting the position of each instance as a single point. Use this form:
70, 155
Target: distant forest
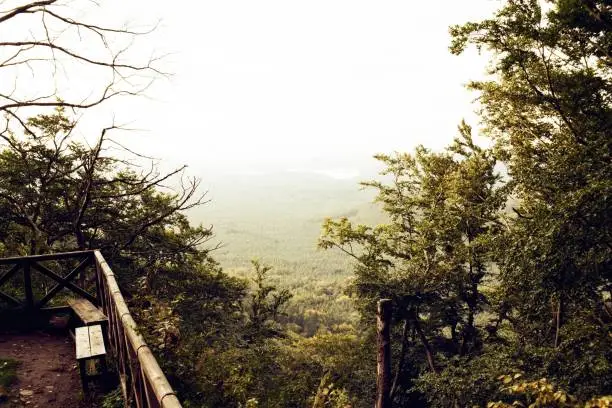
497, 259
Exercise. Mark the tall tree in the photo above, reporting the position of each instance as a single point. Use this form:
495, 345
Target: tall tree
59, 195
549, 110
433, 255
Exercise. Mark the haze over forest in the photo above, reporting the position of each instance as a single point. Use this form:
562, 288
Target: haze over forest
281, 108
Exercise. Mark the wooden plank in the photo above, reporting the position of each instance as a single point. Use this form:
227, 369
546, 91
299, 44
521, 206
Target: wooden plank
81, 338
87, 311
47, 257
55, 309
96, 341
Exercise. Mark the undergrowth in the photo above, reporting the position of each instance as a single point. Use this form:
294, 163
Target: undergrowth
8, 372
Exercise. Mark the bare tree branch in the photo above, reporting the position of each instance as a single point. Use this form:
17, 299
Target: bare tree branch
27, 8
50, 46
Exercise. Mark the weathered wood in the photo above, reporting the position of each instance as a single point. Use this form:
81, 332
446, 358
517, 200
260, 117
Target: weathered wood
154, 374
96, 341
81, 340
106, 270
30, 262
83, 374
87, 312
47, 257
89, 345
55, 309
170, 401
3, 279
383, 377
136, 340
142, 380
89, 342
148, 386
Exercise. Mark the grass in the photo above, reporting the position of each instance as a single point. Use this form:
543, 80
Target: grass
8, 372
113, 399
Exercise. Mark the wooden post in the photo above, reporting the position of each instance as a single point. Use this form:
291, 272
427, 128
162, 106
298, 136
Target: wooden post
98, 276
383, 378
27, 283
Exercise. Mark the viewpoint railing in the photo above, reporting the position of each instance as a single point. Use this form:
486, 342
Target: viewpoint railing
142, 380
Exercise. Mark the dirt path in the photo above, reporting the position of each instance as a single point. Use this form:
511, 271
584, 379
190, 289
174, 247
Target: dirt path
47, 375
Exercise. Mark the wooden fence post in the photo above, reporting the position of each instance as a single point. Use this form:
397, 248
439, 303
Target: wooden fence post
383, 377
27, 283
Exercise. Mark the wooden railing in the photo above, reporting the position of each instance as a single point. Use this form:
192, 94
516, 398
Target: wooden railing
142, 381
30, 264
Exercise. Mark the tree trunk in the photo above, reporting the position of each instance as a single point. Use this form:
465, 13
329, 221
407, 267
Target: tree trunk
400, 363
383, 379
428, 349
468, 331
558, 317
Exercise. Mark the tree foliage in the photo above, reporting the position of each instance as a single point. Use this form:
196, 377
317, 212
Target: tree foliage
550, 113
541, 393
432, 258
492, 271
60, 195
265, 304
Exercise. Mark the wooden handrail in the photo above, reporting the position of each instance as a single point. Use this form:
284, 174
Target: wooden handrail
45, 257
148, 384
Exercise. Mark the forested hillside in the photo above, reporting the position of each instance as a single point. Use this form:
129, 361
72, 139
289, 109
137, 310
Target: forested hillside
276, 218
496, 257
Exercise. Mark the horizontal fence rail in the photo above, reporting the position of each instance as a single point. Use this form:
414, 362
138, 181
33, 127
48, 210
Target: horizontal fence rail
143, 383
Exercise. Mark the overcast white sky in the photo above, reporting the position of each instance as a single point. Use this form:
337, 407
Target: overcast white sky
318, 84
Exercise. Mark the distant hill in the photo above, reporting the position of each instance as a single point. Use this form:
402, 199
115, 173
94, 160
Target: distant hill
277, 216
